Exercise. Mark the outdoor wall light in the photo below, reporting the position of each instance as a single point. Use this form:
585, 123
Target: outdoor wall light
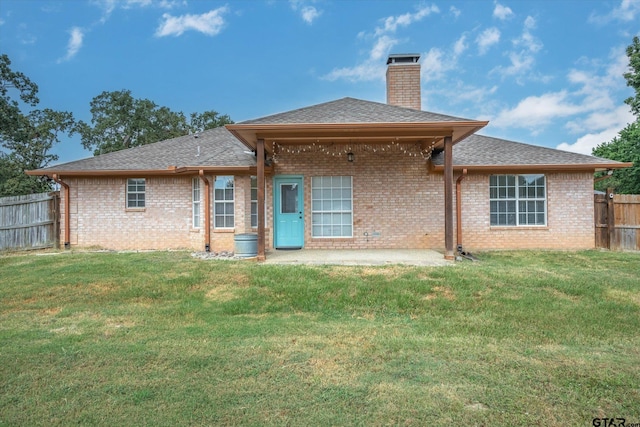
350, 157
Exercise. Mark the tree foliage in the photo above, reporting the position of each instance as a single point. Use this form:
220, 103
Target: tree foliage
626, 146
26, 138
633, 76
120, 121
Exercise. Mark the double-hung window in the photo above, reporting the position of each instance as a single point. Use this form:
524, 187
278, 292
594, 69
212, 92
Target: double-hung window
195, 199
136, 188
331, 206
223, 200
518, 200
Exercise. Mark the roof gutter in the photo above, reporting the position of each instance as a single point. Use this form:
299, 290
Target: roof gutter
587, 167
459, 210
172, 170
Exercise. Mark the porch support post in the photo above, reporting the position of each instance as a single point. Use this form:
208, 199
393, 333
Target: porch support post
67, 210
448, 198
261, 201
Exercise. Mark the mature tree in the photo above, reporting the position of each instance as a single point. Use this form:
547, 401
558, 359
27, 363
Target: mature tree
626, 146
26, 138
207, 120
633, 76
121, 121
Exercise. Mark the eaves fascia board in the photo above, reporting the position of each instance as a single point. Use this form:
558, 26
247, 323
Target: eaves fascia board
241, 170
537, 167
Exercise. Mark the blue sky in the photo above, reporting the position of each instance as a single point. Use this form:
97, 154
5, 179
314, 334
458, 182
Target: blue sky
543, 72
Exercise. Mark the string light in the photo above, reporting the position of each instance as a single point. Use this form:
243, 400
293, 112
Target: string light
331, 149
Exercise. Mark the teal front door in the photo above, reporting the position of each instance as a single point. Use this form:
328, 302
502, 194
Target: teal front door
288, 216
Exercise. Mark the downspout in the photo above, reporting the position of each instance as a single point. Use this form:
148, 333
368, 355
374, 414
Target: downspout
459, 210
67, 213
207, 211
448, 198
461, 251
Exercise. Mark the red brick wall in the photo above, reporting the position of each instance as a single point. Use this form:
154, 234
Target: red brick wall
395, 201
570, 223
403, 85
99, 217
396, 204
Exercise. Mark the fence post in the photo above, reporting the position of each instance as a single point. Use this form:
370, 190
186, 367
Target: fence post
611, 218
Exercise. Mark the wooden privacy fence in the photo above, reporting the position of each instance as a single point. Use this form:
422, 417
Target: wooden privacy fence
29, 222
617, 221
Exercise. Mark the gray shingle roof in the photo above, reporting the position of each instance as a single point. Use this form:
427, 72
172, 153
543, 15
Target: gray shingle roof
218, 147
480, 150
351, 110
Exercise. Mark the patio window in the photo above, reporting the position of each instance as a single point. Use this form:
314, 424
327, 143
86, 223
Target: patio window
331, 206
223, 202
195, 199
518, 200
254, 202
136, 188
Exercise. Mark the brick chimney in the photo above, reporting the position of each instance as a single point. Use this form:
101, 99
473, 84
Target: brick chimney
403, 80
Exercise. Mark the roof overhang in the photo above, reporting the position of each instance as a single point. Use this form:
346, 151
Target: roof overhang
586, 167
432, 133
173, 170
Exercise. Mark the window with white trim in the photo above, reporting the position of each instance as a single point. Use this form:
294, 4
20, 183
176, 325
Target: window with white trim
518, 200
254, 202
223, 202
195, 202
331, 206
136, 188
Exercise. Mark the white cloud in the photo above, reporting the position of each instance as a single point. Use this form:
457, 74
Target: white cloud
434, 65
523, 60
463, 93
535, 111
625, 12
437, 63
596, 89
373, 67
392, 23
520, 63
309, 14
586, 143
108, 6
616, 118
460, 46
370, 69
74, 45
365, 71
591, 110
502, 12
455, 11
382, 47
528, 40
170, 4
210, 23
487, 38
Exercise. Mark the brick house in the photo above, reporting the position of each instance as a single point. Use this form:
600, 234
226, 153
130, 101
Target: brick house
343, 174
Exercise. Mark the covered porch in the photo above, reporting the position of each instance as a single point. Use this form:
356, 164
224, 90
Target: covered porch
416, 139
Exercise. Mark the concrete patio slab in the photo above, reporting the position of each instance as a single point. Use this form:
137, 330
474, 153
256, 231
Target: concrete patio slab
419, 257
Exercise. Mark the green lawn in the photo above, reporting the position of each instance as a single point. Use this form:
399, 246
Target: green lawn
162, 339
